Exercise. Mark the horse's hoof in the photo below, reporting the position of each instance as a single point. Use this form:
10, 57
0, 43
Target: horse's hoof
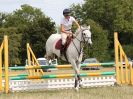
77, 89
81, 84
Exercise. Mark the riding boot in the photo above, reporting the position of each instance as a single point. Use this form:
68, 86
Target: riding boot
62, 49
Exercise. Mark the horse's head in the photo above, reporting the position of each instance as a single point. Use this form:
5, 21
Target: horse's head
86, 34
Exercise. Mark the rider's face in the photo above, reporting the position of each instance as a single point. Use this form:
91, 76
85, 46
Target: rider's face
67, 16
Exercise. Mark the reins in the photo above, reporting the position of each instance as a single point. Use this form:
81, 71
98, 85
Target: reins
82, 43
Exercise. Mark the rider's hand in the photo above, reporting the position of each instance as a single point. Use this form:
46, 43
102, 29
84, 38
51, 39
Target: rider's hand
70, 33
74, 35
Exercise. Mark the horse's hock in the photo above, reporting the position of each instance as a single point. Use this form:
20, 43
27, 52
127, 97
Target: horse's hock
34, 80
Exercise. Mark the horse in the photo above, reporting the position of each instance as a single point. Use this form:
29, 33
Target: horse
74, 52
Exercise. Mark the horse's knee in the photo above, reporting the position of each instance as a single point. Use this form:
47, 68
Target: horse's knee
50, 58
47, 57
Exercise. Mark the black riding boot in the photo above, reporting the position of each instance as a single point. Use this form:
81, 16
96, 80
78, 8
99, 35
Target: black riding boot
62, 50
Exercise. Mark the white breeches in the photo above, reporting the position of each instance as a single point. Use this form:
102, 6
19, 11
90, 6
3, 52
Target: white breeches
63, 37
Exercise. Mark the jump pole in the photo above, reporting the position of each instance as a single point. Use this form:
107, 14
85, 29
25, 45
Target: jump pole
61, 66
61, 75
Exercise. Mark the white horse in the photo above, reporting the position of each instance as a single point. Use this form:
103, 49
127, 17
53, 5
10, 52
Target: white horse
74, 51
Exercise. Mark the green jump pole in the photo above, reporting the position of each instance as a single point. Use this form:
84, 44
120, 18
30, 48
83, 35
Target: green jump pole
16, 75
61, 75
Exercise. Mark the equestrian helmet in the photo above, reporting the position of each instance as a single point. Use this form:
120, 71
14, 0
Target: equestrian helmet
66, 12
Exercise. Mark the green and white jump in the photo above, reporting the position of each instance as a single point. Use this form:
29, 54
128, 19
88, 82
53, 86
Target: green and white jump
33, 81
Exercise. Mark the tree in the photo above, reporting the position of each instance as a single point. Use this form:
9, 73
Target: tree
34, 26
38, 33
100, 41
99, 36
2, 18
111, 15
14, 44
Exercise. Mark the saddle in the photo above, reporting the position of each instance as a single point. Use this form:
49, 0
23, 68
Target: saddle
59, 44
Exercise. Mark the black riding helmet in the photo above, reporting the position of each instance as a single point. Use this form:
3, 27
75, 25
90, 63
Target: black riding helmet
66, 12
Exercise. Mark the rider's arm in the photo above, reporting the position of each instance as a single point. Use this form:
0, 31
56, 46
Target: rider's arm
77, 24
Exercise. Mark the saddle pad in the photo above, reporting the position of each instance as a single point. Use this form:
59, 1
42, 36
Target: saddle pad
58, 44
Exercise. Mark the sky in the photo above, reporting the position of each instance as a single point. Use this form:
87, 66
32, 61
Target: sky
51, 8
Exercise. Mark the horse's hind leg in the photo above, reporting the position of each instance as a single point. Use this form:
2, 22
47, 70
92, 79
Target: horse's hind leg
49, 57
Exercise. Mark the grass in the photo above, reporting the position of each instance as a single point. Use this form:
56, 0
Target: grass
116, 92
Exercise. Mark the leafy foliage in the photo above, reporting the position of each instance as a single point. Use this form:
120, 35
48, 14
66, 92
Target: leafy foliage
29, 24
99, 49
34, 28
14, 44
111, 15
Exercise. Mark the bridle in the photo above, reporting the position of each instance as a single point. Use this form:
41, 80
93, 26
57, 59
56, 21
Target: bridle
82, 41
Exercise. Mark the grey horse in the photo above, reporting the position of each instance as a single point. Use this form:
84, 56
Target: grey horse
74, 51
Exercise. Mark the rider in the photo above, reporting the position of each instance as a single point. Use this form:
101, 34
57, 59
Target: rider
66, 25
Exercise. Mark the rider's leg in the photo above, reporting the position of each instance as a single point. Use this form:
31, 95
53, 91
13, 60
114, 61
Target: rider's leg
63, 37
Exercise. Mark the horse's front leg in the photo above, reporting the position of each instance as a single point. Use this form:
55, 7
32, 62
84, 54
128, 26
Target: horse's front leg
78, 62
77, 74
79, 78
49, 57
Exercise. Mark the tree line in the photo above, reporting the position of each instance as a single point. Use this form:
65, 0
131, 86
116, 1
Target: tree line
25, 25
30, 25
106, 17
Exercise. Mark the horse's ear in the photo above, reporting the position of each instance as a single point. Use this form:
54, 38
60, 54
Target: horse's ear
89, 27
